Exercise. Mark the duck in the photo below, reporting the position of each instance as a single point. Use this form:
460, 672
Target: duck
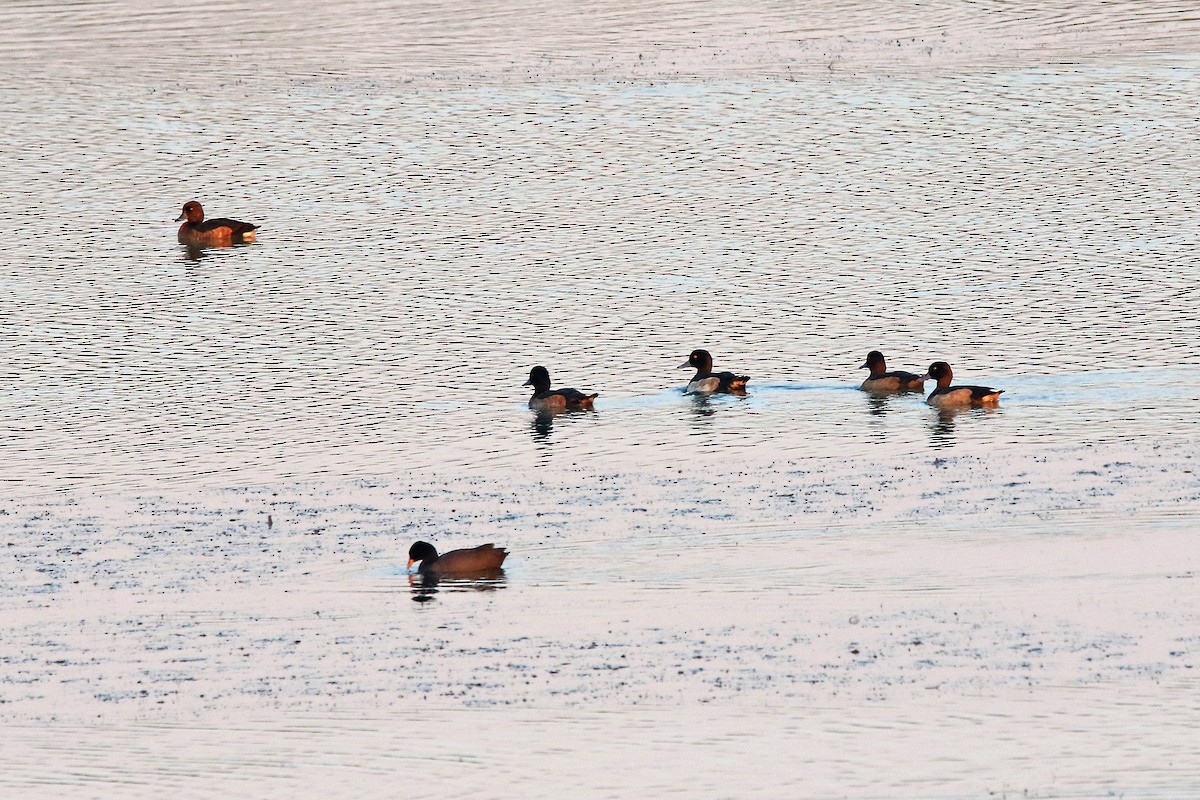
946, 396
484, 558
198, 232
880, 380
558, 400
705, 381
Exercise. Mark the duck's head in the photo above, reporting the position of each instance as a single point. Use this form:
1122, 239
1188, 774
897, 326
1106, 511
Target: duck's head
192, 212
539, 379
700, 360
874, 362
421, 551
940, 371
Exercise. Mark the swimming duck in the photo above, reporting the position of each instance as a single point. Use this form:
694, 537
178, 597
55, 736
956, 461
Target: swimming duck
558, 400
946, 395
705, 381
198, 232
485, 558
880, 380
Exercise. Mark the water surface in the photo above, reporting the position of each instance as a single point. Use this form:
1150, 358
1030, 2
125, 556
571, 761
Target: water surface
213, 461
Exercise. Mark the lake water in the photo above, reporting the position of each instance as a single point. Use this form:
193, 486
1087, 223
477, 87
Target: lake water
213, 462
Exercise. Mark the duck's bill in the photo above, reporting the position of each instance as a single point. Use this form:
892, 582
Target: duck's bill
527, 383
410, 563
684, 365
864, 365
181, 218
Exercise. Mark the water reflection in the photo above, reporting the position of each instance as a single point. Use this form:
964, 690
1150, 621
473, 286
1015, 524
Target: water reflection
194, 253
543, 425
543, 422
702, 409
878, 404
943, 427
425, 587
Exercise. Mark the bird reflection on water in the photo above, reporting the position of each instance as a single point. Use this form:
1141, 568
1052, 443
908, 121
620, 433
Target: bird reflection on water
702, 408
542, 424
194, 254
878, 404
942, 431
424, 587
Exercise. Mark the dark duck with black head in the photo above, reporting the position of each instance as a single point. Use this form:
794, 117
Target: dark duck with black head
705, 381
200, 232
947, 396
557, 400
880, 380
472, 560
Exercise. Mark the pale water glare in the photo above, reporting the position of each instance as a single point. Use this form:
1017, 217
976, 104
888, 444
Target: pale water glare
213, 461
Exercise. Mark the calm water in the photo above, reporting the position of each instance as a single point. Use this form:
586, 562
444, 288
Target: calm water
213, 461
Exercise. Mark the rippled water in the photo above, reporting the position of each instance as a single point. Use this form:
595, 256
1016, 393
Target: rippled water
422, 248
213, 461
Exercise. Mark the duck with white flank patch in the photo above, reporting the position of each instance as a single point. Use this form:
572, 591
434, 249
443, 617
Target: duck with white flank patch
705, 381
880, 380
557, 400
947, 396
